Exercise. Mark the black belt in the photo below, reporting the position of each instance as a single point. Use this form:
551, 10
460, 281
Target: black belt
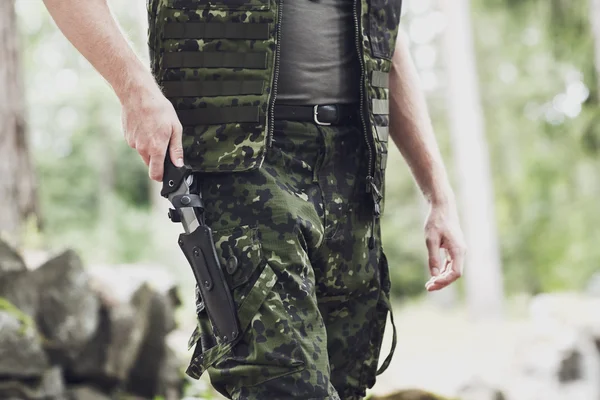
327, 114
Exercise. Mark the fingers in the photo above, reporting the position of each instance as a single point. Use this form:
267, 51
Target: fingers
443, 280
433, 248
175, 146
146, 159
157, 164
458, 258
151, 126
452, 270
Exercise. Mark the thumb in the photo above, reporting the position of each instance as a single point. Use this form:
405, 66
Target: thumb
175, 146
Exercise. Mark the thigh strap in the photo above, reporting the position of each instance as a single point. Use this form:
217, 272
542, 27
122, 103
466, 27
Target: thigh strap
388, 359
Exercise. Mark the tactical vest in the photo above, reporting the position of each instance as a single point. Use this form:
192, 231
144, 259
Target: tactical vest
217, 61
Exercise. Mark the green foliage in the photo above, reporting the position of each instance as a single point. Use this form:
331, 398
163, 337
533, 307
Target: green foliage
403, 239
539, 120
94, 190
538, 88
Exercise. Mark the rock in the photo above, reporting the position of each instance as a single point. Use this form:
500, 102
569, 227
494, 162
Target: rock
101, 332
147, 377
20, 345
410, 395
129, 325
170, 377
53, 385
86, 393
478, 389
16, 284
556, 363
68, 313
19, 288
19, 390
107, 358
144, 379
10, 260
50, 386
130, 343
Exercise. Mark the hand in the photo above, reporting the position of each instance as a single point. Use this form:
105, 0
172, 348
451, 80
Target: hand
442, 231
151, 125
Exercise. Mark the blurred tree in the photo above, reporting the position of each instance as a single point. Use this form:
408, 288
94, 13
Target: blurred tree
538, 87
483, 279
18, 198
595, 24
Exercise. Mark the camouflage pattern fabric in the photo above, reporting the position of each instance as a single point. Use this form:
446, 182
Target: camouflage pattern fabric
217, 147
294, 206
242, 146
312, 297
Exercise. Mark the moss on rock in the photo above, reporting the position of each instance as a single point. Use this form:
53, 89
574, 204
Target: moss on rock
411, 395
25, 320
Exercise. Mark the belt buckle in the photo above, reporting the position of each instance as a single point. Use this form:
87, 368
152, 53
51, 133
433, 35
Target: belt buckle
316, 116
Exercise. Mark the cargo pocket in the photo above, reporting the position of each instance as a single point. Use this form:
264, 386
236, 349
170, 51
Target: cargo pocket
249, 277
384, 18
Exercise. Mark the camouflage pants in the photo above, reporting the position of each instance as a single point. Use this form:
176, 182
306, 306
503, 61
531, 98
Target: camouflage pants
312, 296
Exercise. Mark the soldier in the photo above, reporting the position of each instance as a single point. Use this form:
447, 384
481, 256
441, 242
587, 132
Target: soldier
282, 111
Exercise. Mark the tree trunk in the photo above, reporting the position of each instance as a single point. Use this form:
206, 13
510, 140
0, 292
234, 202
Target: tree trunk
483, 275
595, 23
18, 197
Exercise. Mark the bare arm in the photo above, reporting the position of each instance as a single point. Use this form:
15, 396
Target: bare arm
411, 127
149, 120
412, 131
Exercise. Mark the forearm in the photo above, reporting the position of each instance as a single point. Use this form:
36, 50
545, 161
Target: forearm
411, 128
91, 28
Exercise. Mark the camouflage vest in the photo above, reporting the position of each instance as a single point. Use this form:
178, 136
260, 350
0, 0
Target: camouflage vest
217, 61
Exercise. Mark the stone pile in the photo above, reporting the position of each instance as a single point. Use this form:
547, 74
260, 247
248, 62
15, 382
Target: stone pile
556, 356
553, 355
412, 394
71, 334
559, 357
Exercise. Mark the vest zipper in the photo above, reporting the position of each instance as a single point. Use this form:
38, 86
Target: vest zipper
371, 187
362, 90
275, 76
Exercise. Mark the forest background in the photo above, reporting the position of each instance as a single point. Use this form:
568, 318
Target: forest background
513, 90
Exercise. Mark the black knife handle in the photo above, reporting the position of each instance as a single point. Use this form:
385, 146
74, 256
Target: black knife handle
172, 176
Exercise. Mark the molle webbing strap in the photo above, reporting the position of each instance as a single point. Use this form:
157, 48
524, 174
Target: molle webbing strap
215, 59
218, 115
211, 88
383, 163
382, 133
380, 79
380, 107
216, 30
